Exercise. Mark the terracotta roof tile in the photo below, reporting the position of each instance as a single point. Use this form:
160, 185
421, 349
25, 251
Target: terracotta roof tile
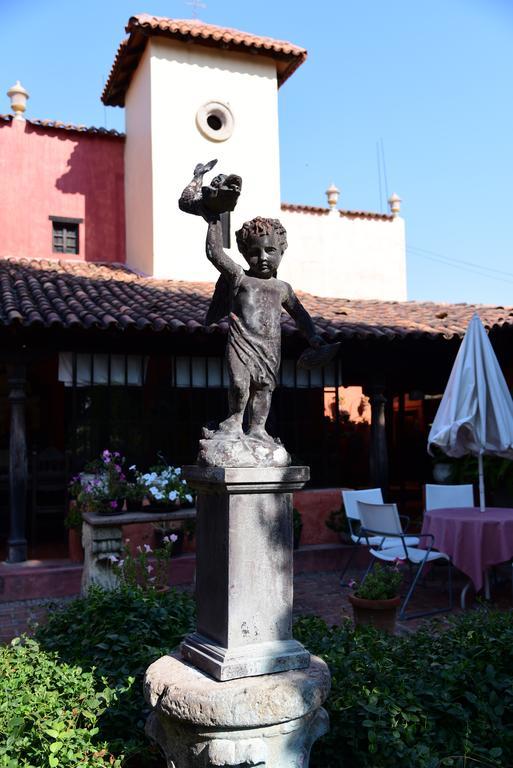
69, 294
55, 124
319, 211
288, 57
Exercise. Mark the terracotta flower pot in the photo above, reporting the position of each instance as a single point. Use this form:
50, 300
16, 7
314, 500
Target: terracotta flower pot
380, 614
75, 550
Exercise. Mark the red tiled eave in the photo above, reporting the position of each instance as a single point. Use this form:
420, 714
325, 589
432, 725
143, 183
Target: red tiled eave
57, 125
84, 295
288, 57
320, 211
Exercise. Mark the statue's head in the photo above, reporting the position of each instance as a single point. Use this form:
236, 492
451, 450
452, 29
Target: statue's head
262, 243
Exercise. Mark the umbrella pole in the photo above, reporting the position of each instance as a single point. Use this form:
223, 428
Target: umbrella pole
481, 482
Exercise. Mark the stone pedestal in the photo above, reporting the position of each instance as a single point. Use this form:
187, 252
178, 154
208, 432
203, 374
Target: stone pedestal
244, 571
266, 722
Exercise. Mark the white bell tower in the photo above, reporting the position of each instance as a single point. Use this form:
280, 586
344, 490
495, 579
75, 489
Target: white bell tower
193, 92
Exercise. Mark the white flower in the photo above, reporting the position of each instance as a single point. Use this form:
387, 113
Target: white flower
173, 537
133, 467
154, 490
178, 471
188, 497
147, 548
172, 495
113, 558
166, 539
184, 482
149, 568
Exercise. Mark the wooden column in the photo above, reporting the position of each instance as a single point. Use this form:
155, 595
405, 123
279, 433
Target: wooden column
378, 458
18, 469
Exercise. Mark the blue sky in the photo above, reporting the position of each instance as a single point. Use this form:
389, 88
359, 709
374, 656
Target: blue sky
429, 82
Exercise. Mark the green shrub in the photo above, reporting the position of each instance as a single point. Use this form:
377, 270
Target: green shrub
49, 711
118, 634
421, 701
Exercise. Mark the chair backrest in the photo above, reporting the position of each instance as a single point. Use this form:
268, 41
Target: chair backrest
380, 518
440, 496
350, 499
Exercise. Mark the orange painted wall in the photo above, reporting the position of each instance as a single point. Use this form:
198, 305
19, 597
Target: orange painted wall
315, 506
52, 172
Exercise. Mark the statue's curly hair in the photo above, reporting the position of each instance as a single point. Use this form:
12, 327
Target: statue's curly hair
257, 228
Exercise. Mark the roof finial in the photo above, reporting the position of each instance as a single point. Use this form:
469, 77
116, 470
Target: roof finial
332, 193
18, 96
394, 201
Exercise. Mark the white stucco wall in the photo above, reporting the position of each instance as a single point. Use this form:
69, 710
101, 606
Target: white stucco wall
332, 255
181, 78
328, 255
138, 171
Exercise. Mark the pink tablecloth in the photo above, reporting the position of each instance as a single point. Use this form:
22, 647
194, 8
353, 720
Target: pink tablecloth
475, 540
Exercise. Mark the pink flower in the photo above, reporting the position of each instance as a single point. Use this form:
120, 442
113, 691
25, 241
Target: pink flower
352, 583
149, 568
113, 504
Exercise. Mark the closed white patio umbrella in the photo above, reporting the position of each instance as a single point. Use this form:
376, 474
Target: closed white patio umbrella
475, 415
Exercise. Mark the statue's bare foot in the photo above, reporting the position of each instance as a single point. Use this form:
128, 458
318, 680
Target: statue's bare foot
231, 427
259, 433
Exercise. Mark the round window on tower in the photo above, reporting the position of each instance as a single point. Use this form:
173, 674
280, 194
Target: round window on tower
215, 121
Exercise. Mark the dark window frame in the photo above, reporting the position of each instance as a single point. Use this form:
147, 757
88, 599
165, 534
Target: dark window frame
67, 230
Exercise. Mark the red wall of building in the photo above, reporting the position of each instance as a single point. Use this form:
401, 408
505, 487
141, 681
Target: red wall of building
54, 172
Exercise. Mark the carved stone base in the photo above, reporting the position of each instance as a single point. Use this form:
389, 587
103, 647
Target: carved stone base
217, 449
263, 722
100, 544
245, 661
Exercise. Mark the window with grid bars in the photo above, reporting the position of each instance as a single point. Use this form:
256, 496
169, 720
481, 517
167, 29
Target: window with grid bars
65, 235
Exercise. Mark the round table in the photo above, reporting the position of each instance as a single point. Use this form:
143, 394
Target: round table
475, 540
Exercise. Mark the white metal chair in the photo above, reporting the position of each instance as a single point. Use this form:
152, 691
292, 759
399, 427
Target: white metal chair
383, 520
373, 496
440, 496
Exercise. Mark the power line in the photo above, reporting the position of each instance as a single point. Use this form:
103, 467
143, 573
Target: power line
384, 169
460, 261
471, 270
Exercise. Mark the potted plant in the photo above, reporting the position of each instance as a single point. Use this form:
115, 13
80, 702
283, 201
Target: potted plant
73, 522
163, 487
376, 599
101, 487
297, 524
134, 495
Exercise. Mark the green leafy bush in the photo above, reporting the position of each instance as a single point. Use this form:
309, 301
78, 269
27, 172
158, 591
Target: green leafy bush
49, 711
118, 634
426, 700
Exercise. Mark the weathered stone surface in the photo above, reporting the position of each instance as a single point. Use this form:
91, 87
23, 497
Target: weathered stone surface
263, 722
182, 692
100, 545
219, 450
244, 571
248, 660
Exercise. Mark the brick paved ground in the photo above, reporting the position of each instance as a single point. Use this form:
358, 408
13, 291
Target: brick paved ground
320, 594
317, 594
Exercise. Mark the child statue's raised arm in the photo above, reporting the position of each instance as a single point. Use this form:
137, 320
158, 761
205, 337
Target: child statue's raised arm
215, 252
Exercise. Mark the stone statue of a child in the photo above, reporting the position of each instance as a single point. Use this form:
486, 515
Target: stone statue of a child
256, 298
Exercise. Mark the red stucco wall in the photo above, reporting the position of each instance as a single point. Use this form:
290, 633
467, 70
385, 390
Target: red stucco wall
52, 172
